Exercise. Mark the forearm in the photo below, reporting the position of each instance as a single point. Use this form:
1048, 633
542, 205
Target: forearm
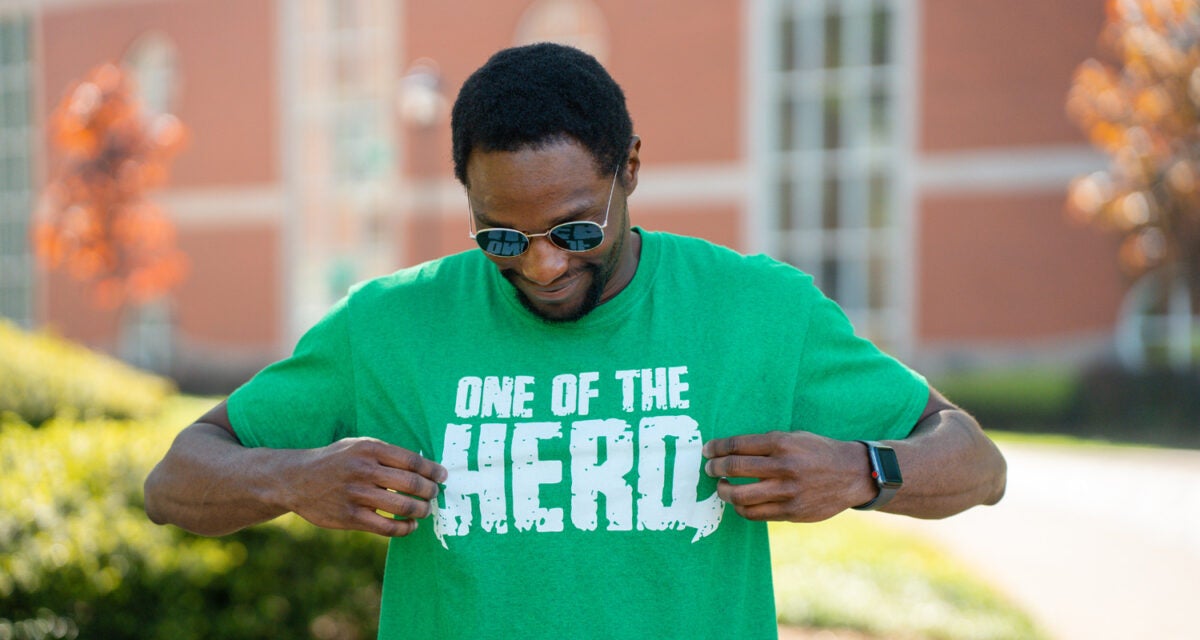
210, 484
949, 466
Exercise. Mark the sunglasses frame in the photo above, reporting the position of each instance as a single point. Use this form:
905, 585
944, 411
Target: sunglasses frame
474, 233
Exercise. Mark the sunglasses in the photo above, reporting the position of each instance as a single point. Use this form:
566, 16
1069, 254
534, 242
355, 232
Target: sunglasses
575, 237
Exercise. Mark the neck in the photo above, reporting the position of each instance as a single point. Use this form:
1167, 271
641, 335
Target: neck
627, 263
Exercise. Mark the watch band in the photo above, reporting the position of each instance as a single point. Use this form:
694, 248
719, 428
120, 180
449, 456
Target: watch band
885, 470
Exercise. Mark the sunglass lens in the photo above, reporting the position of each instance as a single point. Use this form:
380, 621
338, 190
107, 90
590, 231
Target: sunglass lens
577, 236
503, 243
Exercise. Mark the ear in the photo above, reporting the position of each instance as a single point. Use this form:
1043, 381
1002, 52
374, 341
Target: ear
633, 164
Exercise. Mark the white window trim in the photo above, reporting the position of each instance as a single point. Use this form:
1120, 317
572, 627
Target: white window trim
894, 321
313, 196
17, 145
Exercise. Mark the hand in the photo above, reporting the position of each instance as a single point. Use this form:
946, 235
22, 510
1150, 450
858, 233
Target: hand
802, 477
341, 486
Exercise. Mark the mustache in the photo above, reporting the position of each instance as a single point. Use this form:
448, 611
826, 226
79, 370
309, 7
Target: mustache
594, 270
591, 297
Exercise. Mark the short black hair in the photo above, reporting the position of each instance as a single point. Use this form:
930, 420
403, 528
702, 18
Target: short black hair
540, 94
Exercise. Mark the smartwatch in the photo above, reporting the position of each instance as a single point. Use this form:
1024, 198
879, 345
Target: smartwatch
885, 470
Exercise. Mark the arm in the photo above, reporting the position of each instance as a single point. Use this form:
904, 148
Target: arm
948, 464
208, 483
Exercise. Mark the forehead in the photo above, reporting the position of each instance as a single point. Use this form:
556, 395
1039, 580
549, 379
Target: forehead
555, 179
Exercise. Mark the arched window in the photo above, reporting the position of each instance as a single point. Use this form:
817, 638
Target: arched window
578, 23
147, 335
153, 60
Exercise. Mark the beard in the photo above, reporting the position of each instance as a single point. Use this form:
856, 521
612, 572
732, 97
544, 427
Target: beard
600, 272
591, 298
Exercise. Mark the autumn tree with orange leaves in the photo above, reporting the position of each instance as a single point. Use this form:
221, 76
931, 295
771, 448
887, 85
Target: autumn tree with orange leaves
95, 221
1144, 112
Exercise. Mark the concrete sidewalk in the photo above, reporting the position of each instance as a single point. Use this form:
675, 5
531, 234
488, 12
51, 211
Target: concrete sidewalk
1094, 542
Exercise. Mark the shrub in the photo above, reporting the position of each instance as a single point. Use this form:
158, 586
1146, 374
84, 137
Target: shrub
1101, 401
79, 558
42, 375
1014, 398
852, 572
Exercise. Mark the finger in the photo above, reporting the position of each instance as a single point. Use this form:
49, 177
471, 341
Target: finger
401, 458
397, 504
754, 444
405, 482
766, 511
385, 525
755, 493
741, 466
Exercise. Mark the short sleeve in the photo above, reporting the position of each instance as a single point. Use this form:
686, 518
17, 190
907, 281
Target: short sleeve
306, 400
848, 388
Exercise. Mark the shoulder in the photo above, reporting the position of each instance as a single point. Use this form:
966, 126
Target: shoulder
416, 296
722, 268
427, 278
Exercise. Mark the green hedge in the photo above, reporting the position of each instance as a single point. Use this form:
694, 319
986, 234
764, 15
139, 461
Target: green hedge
78, 557
1101, 401
1005, 398
42, 375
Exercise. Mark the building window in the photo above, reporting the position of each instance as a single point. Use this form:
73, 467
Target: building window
154, 63
148, 330
16, 176
578, 23
831, 152
341, 126
352, 43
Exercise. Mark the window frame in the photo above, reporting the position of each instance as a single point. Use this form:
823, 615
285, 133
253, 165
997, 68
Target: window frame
859, 250
17, 166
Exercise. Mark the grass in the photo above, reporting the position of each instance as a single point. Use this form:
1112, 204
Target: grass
1059, 440
852, 572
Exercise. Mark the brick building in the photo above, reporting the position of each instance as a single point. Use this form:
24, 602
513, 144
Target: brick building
912, 154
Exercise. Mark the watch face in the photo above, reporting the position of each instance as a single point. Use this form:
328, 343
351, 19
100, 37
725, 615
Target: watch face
889, 466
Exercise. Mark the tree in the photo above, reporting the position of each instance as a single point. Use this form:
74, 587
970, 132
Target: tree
1143, 109
94, 220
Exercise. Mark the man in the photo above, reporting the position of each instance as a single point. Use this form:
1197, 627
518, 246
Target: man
590, 422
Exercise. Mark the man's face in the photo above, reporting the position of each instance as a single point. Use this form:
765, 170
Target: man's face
532, 190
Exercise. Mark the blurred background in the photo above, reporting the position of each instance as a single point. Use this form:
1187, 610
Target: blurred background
914, 156
1003, 194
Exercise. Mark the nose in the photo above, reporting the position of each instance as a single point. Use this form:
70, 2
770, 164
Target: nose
543, 263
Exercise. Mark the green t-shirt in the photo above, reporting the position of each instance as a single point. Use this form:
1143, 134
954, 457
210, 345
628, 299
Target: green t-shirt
576, 504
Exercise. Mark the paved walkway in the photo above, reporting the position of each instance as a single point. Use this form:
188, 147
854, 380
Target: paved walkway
1094, 542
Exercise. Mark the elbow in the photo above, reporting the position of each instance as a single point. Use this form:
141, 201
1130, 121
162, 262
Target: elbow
997, 493
999, 481
160, 505
156, 516
158, 509
164, 504
989, 460
151, 500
